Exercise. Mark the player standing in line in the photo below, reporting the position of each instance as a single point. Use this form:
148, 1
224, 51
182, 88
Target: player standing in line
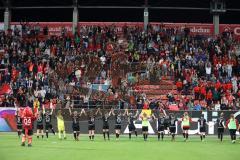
40, 124
232, 125
61, 126
48, 119
202, 130
19, 123
118, 123
91, 123
172, 125
186, 120
160, 123
105, 119
27, 119
221, 126
131, 126
145, 121
75, 123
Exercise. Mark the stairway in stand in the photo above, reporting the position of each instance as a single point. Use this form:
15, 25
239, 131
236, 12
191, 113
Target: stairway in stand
158, 90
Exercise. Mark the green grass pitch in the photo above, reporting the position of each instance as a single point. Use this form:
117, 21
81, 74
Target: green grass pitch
124, 149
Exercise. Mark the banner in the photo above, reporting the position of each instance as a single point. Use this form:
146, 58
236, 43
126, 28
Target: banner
8, 122
55, 28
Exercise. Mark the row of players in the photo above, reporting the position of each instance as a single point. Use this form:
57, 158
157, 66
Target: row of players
163, 120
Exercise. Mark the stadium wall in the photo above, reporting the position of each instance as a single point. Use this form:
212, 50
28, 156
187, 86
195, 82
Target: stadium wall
8, 124
195, 28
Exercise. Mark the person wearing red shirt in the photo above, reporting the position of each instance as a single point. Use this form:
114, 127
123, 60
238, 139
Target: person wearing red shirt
203, 92
28, 119
218, 85
196, 90
179, 85
229, 86
209, 97
224, 86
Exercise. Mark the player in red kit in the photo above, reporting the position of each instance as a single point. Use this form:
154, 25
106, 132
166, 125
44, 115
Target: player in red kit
27, 119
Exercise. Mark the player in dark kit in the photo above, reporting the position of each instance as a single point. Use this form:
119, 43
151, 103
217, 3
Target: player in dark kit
105, 119
75, 123
40, 118
172, 125
221, 125
161, 121
202, 127
91, 123
118, 123
131, 126
48, 119
19, 123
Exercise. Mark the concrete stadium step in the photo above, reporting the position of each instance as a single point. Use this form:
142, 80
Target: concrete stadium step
164, 97
158, 92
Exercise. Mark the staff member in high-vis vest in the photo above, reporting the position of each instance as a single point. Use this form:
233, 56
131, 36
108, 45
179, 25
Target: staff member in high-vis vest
186, 121
145, 123
232, 125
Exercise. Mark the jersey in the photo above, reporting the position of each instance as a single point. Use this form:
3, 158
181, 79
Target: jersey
161, 122
202, 122
40, 119
131, 120
91, 121
105, 121
75, 120
145, 122
186, 121
28, 122
48, 118
172, 122
118, 120
220, 122
18, 120
60, 121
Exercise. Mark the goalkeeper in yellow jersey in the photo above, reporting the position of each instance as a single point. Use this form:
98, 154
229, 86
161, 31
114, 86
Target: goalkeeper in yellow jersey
61, 126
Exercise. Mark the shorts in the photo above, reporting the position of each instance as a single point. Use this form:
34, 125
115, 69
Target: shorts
48, 125
76, 128
232, 131
202, 129
117, 126
40, 126
160, 128
220, 130
145, 128
19, 127
172, 129
106, 127
186, 127
30, 132
91, 127
61, 128
131, 128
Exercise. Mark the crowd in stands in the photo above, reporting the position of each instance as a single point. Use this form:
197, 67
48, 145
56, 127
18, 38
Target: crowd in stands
56, 71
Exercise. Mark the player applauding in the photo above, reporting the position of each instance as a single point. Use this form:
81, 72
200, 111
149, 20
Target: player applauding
105, 119
48, 120
75, 123
131, 126
186, 121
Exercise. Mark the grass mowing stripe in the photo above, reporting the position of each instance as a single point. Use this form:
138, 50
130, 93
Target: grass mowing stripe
136, 148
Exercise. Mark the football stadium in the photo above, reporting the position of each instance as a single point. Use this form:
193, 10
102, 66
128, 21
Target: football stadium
119, 79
